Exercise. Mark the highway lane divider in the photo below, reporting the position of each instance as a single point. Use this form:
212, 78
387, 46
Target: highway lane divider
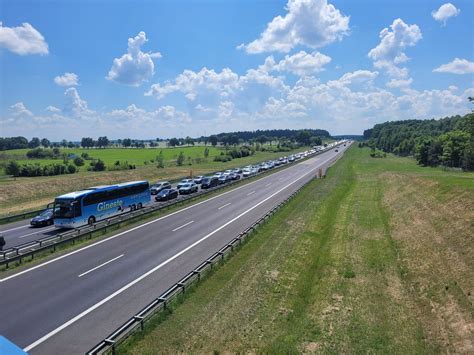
32, 248
174, 294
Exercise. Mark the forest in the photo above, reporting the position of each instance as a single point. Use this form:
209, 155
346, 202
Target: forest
448, 141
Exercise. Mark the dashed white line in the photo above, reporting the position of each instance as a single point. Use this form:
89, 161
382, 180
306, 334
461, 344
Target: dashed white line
12, 229
143, 276
38, 231
184, 225
224, 206
251, 193
268, 184
99, 266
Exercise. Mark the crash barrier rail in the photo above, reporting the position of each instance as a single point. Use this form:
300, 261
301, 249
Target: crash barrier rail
30, 249
15, 217
160, 304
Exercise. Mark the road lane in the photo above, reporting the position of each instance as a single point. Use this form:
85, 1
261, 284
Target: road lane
144, 249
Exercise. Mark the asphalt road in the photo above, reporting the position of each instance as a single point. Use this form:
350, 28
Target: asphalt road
21, 232
72, 302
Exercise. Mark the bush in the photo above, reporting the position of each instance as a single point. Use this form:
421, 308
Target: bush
98, 165
180, 159
12, 168
223, 158
71, 169
78, 161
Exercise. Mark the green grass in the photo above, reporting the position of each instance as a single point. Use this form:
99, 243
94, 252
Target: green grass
23, 194
368, 260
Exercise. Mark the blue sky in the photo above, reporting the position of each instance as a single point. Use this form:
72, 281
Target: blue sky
203, 67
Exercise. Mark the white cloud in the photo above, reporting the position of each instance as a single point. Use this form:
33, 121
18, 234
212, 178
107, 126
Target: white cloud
393, 42
22, 40
53, 109
457, 66
311, 23
134, 67
399, 83
75, 106
301, 63
19, 110
445, 12
68, 79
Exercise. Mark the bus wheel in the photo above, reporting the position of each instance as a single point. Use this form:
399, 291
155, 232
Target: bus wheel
139, 206
91, 220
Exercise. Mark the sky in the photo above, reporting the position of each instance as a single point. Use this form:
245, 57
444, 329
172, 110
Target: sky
148, 69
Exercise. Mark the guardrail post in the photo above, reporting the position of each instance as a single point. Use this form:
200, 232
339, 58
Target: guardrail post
164, 301
182, 285
111, 342
139, 319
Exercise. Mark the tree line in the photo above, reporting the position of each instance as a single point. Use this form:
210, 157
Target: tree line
448, 141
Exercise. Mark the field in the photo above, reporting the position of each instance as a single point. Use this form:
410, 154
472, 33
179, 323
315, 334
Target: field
28, 193
377, 258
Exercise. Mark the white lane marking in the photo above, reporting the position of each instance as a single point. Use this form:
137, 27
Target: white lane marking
250, 193
12, 229
224, 206
138, 279
99, 266
38, 231
184, 225
143, 225
268, 184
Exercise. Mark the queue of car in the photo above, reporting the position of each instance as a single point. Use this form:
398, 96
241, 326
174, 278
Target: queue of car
163, 190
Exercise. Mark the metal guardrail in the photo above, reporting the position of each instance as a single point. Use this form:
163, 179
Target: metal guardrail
30, 249
160, 304
19, 216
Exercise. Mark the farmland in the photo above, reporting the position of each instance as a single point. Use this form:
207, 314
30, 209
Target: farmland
27, 193
377, 258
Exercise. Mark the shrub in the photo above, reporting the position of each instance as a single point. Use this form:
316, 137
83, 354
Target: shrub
12, 168
98, 165
180, 159
71, 169
78, 161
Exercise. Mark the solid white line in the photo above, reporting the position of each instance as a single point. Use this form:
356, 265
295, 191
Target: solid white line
138, 279
9, 230
95, 268
250, 193
38, 231
142, 225
184, 225
227, 204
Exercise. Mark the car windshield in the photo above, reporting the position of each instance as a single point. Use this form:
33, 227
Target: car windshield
46, 213
63, 208
163, 192
186, 185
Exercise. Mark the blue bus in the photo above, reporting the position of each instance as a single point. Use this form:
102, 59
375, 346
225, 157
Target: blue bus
93, 204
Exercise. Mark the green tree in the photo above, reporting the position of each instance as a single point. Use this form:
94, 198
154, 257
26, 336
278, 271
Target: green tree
34, 143
78, 161
12, 168
206, 152
45, 143
173, 142
213, 140
180, 159
160, 162
454, 145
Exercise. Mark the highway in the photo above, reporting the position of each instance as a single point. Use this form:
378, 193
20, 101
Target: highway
70, 303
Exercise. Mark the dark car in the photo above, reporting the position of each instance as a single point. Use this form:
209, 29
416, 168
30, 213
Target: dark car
45, 218
225, 179
209, 182
159, 186
336, 150
166, 194
198, 179
187, 189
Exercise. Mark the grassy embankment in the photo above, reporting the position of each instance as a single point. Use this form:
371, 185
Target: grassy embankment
20, 194
377, 258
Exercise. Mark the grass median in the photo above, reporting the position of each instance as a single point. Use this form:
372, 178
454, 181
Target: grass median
378, 257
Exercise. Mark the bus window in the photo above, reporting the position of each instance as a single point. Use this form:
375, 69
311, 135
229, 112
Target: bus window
64, 209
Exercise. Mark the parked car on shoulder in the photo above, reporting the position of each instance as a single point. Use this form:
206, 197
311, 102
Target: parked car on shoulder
159, 186
224, 179
184, 182
187, 189
166, 194
45, 218
246, 172
234, 176
209, 181
237, 170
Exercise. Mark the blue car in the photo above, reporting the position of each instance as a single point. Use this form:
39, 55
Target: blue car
45, 218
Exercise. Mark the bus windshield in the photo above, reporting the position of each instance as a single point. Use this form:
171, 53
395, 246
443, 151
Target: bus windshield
64, 208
